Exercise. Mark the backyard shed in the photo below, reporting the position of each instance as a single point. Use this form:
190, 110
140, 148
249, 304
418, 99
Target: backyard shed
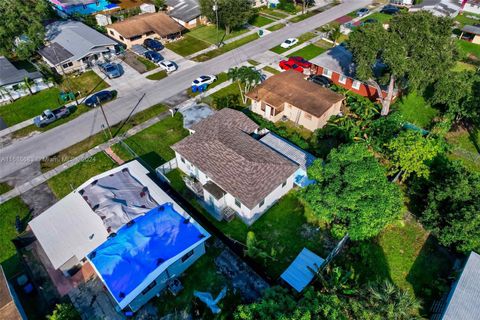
302, 270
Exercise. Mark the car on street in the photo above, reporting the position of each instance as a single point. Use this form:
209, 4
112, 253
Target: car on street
111, 70
153, 44
290, 42
287, 65
208, 79
390, 9
100, 97
320, 80
302, 62
48, 116
153, 56
363, 11
168, 65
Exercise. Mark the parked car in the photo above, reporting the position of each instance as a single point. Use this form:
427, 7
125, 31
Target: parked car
153, 56
168, 65
100, 97
48, 116
208, 79
290, 42
153, 44
111, 70
300, 61
320, 80
390, 9
287, 65
362, 12
368, 21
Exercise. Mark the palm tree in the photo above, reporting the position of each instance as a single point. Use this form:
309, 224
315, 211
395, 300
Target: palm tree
246, 77
334, 33
27, 84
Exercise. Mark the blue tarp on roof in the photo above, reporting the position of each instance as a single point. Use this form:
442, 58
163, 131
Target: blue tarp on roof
302, 270
138, 249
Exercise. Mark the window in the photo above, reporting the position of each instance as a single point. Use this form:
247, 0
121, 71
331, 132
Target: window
121, 38
238, 203
187, 255
182, 159
261, 203
150, 287
308, 116
356, 84
67, 65
112, 33
284, 184
342, 79
135, 38
327, 73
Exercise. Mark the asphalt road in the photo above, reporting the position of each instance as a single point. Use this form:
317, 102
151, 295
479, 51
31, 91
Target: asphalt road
22, 153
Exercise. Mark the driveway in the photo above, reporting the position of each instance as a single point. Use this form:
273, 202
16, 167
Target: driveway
22, 153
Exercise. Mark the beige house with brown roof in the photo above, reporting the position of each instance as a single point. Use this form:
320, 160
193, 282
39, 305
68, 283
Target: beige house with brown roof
230, 169
289, 96
136, 29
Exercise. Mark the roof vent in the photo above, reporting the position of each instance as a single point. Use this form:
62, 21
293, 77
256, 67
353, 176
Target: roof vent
186, 221
160, 261
92, 255
161, 208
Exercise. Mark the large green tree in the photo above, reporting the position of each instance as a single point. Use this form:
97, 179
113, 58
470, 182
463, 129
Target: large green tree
416, 50
231, 13
21, 30
246, 78
352, 193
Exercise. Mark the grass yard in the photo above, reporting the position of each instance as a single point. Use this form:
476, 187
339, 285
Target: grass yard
463, 148
4, 187
260, 21
228, 47
85, 83
466, 49
302, 17
158, 75
467, 18
63, 183
230, 90
416, 110
271, 70
308, 52
149, 65
274, 13
8, 254
304, 37
380, 17
187, 46
463, 66
209, 34
276, 27
153, 144
221, 78
253, 62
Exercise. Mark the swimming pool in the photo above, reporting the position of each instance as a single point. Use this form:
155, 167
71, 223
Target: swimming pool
94, 6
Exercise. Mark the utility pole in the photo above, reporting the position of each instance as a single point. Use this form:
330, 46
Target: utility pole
106, 120
215, 8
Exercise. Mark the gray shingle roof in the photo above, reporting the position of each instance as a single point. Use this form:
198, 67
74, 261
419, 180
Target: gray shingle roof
55, 53
471, 29
9, 74
223, 149
185, 10
464, 299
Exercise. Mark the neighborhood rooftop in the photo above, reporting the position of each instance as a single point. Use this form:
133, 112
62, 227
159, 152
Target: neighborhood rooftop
291, 87
223, 149
471, 29
185, 10
337, 59
10, 74
158, 23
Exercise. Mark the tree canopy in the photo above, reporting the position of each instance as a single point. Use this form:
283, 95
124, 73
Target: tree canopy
21, 30
246, 77
231, 13
415, 51
352, 193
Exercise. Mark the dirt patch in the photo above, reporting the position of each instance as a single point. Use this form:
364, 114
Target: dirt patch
131, 59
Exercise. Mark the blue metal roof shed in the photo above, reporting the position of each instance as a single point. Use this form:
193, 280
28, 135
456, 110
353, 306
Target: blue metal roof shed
302, 270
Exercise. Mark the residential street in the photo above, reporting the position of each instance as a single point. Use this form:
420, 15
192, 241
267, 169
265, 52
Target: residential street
20, 154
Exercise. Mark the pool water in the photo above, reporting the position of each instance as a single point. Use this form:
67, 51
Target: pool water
90, 8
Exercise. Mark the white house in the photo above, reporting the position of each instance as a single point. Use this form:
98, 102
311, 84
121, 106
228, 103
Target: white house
136, 238
230, 169
12, 82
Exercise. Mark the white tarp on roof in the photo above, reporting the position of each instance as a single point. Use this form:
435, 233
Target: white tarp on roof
302, 270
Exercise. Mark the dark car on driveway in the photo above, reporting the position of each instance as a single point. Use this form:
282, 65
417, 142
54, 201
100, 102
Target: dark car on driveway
389, 9
320, 80
300, 61
100, 97
153, 56
153, 44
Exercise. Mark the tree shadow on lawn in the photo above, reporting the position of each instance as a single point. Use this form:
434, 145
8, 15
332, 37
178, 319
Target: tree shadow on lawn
473, 136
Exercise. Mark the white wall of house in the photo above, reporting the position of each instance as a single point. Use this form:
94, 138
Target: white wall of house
15, 91
472, 8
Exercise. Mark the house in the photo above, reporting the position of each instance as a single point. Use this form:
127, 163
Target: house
12, 81
288, 96
185, 12
464, 297
84, 7
136, 29
233, 172
471, 34
10, 307
470, 6
73, 46
439, 8
337, 64
121, 223
405, 3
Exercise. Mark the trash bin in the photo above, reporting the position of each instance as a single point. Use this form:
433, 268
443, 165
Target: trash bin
194, 88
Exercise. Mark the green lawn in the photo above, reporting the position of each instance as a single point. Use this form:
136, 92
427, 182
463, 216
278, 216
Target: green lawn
8, 254
464, 19
209, 34
4, 187
380, 17
304, 37
187, 46
221, 78
253, 62
271, 70
463, 148
302, 17
416, 110
308, 52
466, 49
85, 83
63, 183
276, 27
158, 75
230, 46
463, 66
274, 13
231, 89
153, 144
149, 65
260, 21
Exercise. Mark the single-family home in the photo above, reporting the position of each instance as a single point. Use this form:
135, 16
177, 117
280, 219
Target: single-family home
404, 3
136, 29
16, 83
289, 96
471, 34
84, 7
439, 8
463, 300
470, 6
123, 225
185, 12
230, 170
10, 307
337, 65
74, 46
